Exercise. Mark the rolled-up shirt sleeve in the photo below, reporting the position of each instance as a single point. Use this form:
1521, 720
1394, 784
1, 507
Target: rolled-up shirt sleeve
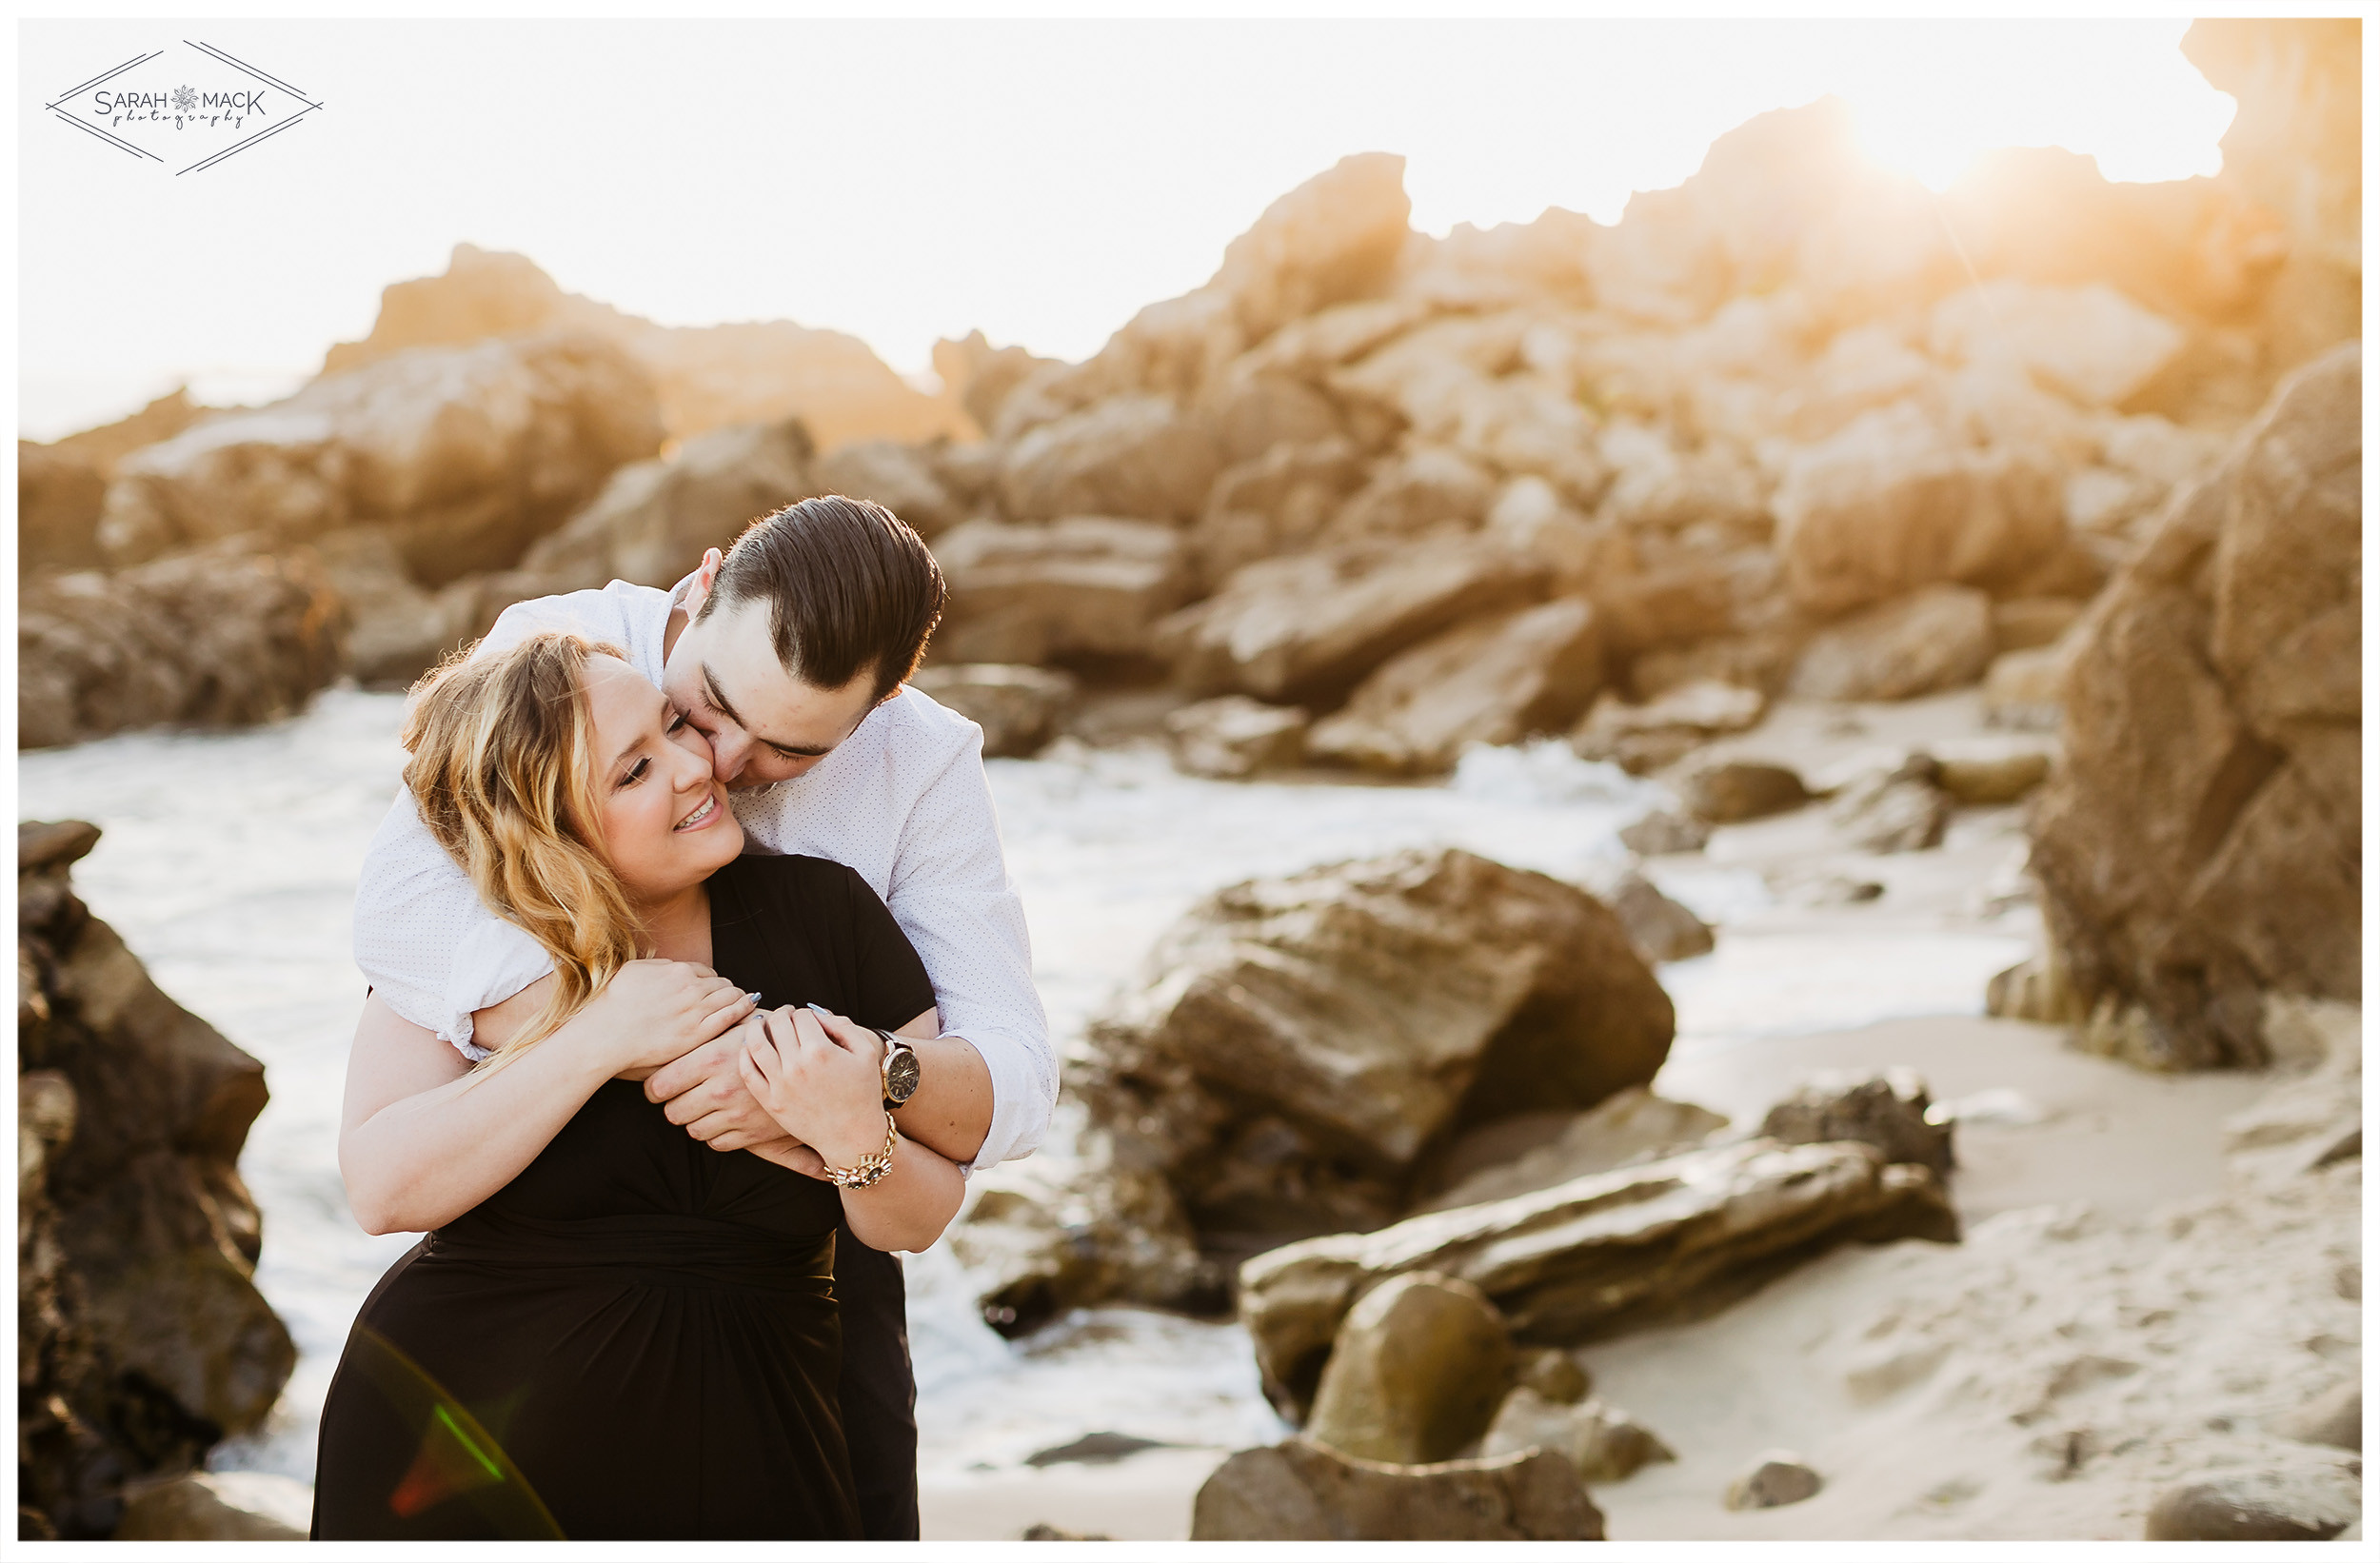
951, 894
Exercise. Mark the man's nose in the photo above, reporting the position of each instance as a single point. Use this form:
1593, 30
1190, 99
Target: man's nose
730, 747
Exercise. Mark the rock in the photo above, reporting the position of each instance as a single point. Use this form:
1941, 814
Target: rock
1019, 709
1777, 1478
2200, 841
1137, 456
59, 496
1555, 1374
1273, 504
469, 454
653, 518
143, 1341
902, 478
1726, 791
1249, 412
1600, 1254
1085, 587
2335, 1418
396, 630
2026, 690
2090, 344
205, 1506
981, 376
1887, 1111
1416, 1372
1900, 810
1302, 1490
1231, 736
1294, 1045
1937, 638
1334, 237
705, 377
1628, 1126
216, 637
1651, 736
1307, 628
1604, 1443
1988, 778
1492, 681
1891, 503
1038, 1241
1044, 1531
2306, 1505
1660, 832
1421, 489
1660, 928
2029, 622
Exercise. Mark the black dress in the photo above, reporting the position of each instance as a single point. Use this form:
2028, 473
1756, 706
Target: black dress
638, 1338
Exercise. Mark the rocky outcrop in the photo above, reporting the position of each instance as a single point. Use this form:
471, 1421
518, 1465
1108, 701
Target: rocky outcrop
214, 636
467, 454
1599, 1253
143, 1339
706, 377
1493, 681
1019, 709
1934, 639
2200, 841
1303, 1491
1138, 456
653, 518
1084, 590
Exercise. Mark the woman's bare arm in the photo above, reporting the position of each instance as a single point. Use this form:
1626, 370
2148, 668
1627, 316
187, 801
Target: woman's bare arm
423, 1137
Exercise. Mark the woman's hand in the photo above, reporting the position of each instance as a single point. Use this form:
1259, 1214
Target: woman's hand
825, 1093
653, 1011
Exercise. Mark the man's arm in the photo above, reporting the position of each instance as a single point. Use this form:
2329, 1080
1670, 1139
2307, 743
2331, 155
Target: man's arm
430, 949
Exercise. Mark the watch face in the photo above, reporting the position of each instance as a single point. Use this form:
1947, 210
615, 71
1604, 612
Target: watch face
901, 1073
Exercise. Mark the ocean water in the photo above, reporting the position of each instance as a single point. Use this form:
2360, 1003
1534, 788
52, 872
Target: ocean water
229, 865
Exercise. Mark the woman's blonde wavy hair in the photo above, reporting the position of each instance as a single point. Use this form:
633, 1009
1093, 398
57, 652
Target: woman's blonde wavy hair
502, 770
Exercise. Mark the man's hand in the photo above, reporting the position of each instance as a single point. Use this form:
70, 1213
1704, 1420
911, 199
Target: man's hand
703, 1090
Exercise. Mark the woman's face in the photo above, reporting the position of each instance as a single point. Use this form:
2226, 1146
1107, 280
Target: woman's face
665, 820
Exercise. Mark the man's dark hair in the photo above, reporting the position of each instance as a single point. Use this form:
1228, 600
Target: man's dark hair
849, 586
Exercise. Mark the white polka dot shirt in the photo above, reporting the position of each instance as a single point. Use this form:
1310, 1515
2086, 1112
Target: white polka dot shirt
902, 800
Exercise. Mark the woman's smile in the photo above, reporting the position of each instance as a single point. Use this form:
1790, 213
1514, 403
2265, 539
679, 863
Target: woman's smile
701, 817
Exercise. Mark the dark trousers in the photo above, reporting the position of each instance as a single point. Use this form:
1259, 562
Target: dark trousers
878, 1389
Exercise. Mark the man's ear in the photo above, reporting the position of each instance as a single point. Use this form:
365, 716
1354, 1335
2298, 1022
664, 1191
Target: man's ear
698, 590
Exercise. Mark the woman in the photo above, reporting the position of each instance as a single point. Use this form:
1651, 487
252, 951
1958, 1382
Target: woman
613, 1331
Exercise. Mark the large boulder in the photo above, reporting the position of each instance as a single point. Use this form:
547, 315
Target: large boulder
1307, 628
1304, 1490
1936, 638
1415, 1373
1296, 1044
469, 454
1273, 504
1597, 1255
2200, 842
1084, 587
1893, 503
214, 636
1494, 681
653, 518
143, 1339
1138, 456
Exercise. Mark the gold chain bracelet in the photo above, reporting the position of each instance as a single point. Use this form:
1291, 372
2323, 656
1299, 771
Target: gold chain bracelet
868, 1171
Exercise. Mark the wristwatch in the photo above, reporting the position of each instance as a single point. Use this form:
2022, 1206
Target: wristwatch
901, 1069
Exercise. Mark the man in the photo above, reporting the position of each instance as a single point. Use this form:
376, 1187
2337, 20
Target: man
789, 655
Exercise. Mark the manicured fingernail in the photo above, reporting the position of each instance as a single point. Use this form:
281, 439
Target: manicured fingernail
754, 997
821, 1009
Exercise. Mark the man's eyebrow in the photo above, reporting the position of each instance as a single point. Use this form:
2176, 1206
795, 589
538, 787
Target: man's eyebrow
711, 692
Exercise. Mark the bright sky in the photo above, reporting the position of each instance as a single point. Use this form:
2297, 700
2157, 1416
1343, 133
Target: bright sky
908, 180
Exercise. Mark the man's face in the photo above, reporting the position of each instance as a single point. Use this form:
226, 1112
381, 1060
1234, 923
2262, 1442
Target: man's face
762, 723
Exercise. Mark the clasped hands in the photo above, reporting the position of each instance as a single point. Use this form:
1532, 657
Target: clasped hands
789, 1085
